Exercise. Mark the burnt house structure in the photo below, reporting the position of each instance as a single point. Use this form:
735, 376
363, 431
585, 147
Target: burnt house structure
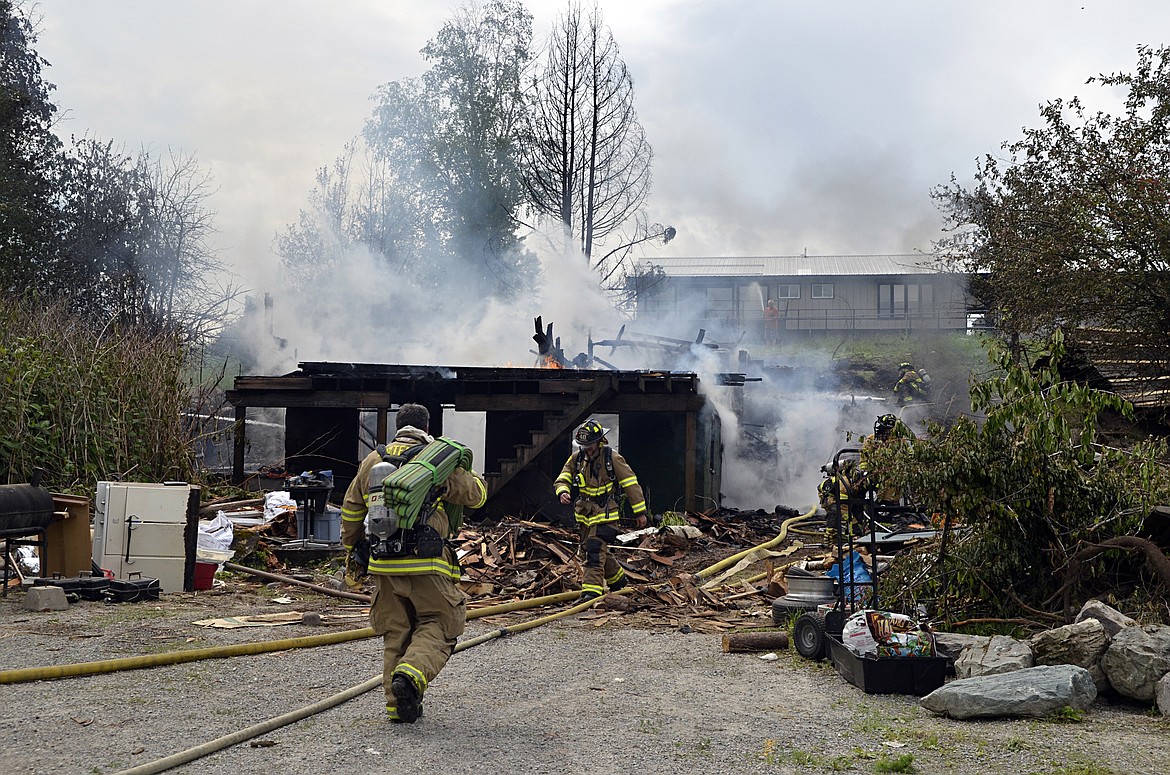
668, 433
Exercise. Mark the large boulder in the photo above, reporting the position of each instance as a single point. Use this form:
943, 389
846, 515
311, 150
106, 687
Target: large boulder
1137, 659
1162, 695
1081, 644
1000, 654
952, 644
1034, 691
1113, 620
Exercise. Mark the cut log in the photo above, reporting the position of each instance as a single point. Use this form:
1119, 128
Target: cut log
754, 641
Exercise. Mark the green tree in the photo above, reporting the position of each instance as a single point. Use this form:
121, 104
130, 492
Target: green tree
1030, 488
1072, 229
135, 241
29, 154
446, 148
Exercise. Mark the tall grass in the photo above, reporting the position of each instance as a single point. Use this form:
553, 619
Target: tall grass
88, 401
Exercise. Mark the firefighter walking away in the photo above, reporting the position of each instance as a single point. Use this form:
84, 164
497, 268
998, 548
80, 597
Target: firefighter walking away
416, 607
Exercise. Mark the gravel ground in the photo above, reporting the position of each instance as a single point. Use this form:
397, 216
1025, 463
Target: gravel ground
573, 696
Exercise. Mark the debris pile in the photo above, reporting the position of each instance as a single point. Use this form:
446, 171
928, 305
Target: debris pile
520, 559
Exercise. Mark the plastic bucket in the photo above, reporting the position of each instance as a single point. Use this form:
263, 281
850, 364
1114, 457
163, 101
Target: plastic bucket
204, 574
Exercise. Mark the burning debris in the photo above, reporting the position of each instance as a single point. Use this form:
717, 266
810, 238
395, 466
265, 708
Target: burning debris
656, 351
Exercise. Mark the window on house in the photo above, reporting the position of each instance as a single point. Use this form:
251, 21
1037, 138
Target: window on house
822, 291
751, 301
784, 291
720, 303
658, 305
896, 299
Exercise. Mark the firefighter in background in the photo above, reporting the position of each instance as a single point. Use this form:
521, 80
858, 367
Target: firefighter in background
416, 606
886, 428
836, 490
909, 388
771, 322
594, 479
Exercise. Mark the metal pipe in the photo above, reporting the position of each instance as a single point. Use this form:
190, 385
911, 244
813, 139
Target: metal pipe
297, 582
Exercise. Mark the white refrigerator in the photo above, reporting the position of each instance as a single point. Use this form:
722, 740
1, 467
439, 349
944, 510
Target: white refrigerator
146, 530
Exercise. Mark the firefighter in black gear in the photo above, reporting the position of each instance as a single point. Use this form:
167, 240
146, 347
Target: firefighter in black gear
594, 479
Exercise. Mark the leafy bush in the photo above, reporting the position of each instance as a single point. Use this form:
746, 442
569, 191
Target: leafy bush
1023, 491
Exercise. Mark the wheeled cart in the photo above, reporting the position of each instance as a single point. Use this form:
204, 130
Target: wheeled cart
818, 634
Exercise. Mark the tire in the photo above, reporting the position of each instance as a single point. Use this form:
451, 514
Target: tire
808, 636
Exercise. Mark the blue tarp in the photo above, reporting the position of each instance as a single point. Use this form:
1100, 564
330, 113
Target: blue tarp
856, 573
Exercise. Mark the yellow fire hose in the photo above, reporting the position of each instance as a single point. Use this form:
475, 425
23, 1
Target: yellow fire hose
218, 744
191, 754
241, 649
729, 561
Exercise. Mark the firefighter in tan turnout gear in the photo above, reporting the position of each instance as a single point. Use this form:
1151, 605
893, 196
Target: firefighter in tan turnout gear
417, 607
594, 479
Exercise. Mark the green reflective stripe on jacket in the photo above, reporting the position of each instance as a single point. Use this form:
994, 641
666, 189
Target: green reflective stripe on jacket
410, 565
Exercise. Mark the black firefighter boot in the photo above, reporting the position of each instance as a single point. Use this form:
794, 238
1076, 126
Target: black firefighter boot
407, 699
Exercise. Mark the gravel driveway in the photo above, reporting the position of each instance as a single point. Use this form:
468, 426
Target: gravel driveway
573, 696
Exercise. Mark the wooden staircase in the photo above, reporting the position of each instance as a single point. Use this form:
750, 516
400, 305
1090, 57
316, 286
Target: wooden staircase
570, 403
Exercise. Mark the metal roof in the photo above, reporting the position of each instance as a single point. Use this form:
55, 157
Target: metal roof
796, 266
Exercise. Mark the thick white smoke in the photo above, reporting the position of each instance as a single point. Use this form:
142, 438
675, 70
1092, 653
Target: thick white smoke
778, 427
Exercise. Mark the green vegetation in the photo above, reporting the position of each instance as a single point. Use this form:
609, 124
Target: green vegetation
1067, 226
1037, 496
650, 726
1067, 715
903, 763
88, 402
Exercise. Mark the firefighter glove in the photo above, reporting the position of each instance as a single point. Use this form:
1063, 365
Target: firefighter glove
356, 560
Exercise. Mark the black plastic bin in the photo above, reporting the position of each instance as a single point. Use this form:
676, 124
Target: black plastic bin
888, 675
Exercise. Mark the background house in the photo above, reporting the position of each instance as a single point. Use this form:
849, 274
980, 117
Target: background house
727, 295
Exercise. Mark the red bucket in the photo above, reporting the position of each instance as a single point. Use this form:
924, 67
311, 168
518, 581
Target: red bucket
204, 573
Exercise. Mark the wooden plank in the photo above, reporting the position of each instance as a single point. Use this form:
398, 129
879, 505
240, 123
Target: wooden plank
324, 399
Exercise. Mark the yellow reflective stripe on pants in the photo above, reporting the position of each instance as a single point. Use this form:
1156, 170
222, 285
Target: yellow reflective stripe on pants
410, 566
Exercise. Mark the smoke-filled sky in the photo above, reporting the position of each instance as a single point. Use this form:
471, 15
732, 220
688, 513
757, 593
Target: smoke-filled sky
778, 126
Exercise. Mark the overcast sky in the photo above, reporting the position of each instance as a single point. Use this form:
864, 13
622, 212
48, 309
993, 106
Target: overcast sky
778, 126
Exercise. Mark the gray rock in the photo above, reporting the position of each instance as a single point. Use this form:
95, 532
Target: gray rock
1162, 695
1082, 644
952, 644
1113, 620
1137, 659
1035, 691
1000, 654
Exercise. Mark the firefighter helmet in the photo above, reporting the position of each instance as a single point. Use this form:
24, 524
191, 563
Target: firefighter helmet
590, 432
884, 424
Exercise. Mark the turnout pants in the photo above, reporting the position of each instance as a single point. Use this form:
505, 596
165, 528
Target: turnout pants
419, 618
600, 566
